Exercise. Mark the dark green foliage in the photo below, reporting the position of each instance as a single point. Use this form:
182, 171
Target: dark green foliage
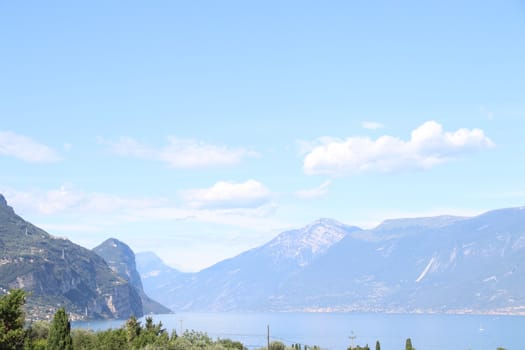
112, 339
36, 336
358, 347
84, 339
308, 347
408, 345
12, 333
60, 332
378, 345
150, 334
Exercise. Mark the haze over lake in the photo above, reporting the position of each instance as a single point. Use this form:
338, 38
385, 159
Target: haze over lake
332, 330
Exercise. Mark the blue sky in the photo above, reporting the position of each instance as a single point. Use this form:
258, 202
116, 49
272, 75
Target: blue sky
201, 129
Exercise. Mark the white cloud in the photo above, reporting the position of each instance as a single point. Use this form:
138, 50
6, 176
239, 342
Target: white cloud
372, 125
229, 195
181, 153
26, 149
314, 193
428, 146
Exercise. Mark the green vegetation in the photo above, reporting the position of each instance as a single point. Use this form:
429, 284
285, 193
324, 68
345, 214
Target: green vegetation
15, 334
57, 334
357, 347
408, 345
12, 332
60, 332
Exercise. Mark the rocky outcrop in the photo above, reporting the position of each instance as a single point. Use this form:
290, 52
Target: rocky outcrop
57, 272
121, 260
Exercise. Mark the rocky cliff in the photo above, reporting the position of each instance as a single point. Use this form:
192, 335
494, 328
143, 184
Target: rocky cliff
121, 260
57, 272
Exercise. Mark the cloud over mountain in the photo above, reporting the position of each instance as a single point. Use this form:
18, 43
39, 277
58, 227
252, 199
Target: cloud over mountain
428, 146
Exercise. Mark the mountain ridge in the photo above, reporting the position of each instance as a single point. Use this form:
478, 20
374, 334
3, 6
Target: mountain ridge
432, 264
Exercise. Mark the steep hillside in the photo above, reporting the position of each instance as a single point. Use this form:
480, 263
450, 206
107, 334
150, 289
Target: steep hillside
58, 272
121, 260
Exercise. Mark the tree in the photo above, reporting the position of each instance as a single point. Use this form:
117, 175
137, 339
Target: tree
378, 346
60, 332
132, 329
277, 345
12, 319
36, 335
408, 345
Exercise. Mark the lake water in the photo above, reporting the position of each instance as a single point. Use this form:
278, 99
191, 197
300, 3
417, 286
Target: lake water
332, 330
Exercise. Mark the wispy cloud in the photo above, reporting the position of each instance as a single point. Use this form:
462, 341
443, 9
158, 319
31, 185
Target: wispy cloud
486, 112
246, 205
229, 195
181, 153
26, 149
314, 193
372, 125
69, 199
158, 224
428, 146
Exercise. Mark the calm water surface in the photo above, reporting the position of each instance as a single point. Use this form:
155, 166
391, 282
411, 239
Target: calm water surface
332, 330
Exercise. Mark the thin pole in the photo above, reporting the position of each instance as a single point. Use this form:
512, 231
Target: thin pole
268, 336
352, 337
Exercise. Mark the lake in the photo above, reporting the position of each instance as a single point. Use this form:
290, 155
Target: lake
333, 330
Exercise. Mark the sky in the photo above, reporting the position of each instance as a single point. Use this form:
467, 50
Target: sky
200, 129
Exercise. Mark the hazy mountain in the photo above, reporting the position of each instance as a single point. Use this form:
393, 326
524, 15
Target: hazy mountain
435, 264
57, 272
121, 260
250, 280
154, 273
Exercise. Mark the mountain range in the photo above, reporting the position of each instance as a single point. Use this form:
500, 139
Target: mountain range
442, 264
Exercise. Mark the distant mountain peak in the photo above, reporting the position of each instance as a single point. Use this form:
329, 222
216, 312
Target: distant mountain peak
324, 222
307, 242
4, 207
115, 243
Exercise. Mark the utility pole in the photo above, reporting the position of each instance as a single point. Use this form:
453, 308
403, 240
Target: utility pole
180, 321
352, 337
268, 336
